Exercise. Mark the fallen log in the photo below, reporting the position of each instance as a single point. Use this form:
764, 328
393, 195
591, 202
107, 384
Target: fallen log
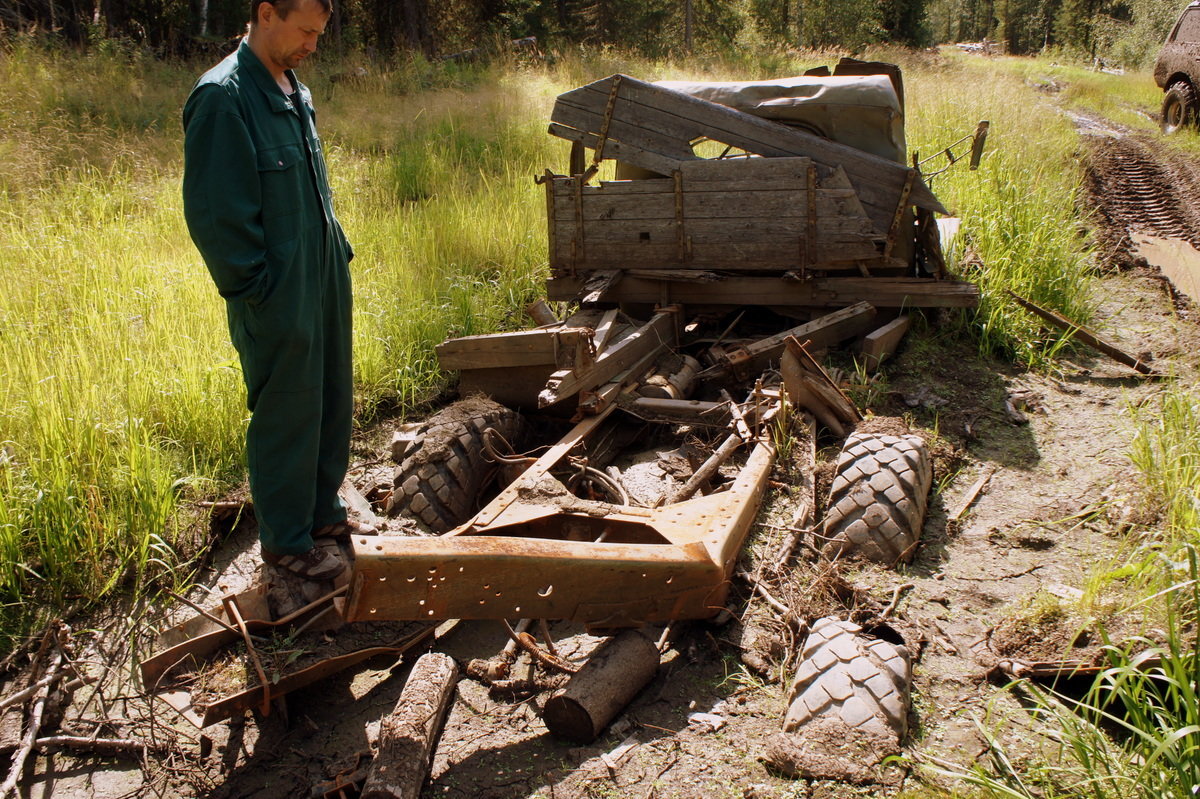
612, 677
1081, 333
408, 737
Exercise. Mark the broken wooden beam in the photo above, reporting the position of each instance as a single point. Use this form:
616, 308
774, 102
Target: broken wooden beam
809, 387
880, 344
820, 332
558, 347
651, 338
826, 292
611, 678
408, 737
1081, 333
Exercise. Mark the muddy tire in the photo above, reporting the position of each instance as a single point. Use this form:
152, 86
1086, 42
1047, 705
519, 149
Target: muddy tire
1179, 109
877, 501
444, 474
850, 677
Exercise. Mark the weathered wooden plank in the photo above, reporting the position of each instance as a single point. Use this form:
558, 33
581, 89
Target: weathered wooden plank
662, 121
761, 229
879, 344
655, 335
835, 206
514, 386
521, 348
605, 329
724, 253
662, 164
820, 383
882, 292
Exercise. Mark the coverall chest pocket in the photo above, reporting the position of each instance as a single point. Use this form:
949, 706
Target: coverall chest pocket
282, 178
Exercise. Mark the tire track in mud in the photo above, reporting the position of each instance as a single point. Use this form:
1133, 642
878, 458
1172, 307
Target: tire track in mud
1133, 186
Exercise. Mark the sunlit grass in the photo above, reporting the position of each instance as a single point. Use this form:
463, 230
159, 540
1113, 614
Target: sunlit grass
1135, 734
1020, 223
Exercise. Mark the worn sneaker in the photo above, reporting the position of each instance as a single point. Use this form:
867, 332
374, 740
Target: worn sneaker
341, 531
315, 564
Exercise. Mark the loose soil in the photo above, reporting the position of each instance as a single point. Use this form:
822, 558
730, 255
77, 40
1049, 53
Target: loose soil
999, 581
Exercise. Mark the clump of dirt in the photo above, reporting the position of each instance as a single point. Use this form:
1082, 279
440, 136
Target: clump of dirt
1045, 628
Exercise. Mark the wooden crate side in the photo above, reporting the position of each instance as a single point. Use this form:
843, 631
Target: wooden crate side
738, 214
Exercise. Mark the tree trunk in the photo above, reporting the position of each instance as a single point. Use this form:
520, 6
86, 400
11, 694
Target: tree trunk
408, 737
687, 25
612, 677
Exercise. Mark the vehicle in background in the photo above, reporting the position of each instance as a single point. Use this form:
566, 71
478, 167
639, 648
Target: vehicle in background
1177, 71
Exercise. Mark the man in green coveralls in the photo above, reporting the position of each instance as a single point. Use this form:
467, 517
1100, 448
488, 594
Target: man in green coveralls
257, 201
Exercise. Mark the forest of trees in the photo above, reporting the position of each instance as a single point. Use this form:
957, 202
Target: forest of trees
1119, 31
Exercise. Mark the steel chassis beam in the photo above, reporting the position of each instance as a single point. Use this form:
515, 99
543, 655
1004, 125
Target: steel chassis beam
537, 551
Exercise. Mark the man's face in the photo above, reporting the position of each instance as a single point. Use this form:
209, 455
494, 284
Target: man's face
288, 42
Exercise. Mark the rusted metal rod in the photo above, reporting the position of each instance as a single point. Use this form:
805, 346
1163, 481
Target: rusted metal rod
1081, 333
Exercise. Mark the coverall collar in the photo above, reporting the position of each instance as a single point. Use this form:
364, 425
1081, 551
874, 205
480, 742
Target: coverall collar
248, 61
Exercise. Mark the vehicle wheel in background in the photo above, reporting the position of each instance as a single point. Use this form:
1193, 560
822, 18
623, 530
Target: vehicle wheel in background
1179, 107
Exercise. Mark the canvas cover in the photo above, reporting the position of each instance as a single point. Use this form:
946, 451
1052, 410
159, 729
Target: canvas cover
861, 111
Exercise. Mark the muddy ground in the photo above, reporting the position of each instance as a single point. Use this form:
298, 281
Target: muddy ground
997, 583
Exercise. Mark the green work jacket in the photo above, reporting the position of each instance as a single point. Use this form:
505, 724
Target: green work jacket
255, 188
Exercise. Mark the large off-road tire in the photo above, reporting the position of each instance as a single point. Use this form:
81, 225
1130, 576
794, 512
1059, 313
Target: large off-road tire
848, 676
877, 500
442, 479
1179, 109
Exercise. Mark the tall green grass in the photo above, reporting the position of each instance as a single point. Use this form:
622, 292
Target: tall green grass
119, 391
1021, 225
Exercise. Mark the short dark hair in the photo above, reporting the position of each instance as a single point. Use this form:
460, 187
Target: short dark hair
284, 7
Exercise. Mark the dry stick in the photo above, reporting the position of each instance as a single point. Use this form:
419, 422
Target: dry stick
214, 619
1081, 333
35, 724
235, 613
708, 468
764, 593
973, 493
544, 627
895, 603
25, 693
295, 614
103, 746
223, 505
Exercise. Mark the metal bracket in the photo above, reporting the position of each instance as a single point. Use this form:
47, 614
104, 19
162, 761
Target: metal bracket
901, 207
608, 113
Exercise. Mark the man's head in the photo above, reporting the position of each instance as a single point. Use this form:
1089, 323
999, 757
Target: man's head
283, 7
284, 32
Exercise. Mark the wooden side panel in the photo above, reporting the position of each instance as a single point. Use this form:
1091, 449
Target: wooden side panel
738, 214
661, 123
